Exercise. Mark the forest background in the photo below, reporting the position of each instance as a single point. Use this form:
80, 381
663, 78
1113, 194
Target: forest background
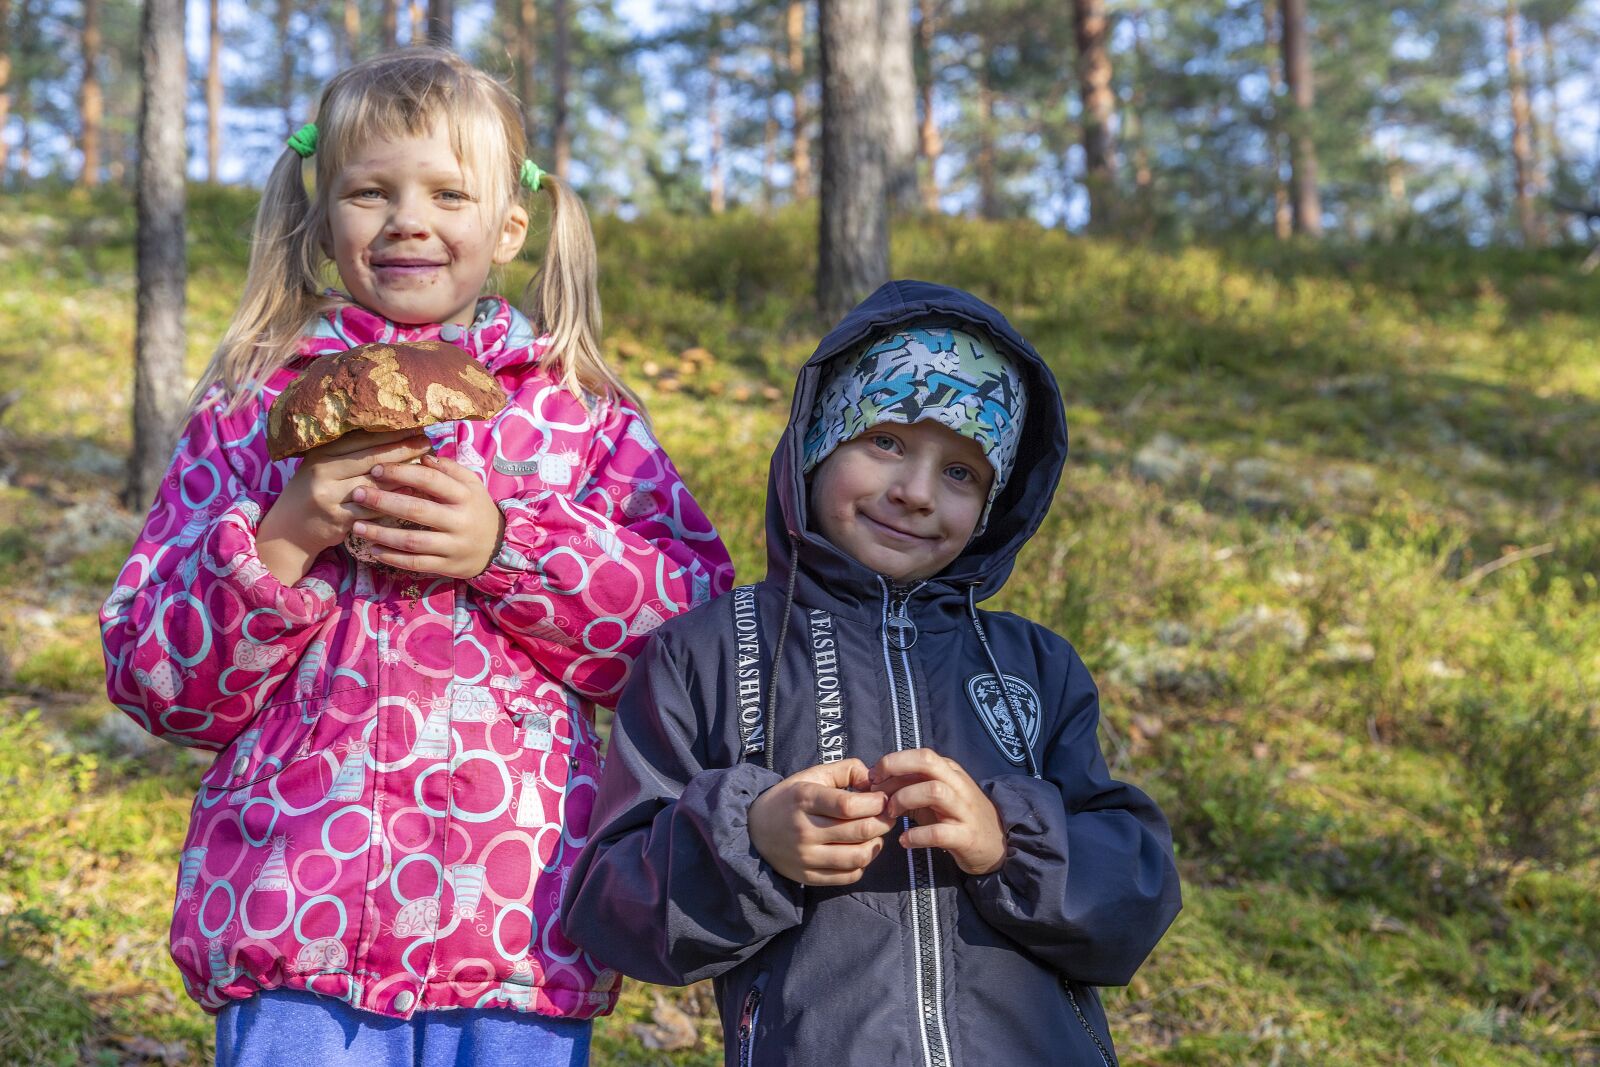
1315, 278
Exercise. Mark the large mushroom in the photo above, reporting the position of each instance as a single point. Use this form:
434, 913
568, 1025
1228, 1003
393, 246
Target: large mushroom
376, 388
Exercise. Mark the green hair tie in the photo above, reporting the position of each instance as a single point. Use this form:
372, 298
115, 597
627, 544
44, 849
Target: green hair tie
304, 140
531, 175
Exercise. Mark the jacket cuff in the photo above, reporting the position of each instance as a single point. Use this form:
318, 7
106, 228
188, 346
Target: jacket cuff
523, 538
1031, 856
722, 799
230, 553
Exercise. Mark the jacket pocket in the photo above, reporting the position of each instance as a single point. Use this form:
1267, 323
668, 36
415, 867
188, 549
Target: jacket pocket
282, 734
1085, 1003
578, 795
750, 1020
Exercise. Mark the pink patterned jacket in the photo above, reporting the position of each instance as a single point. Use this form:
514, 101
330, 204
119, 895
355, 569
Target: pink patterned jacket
406, 762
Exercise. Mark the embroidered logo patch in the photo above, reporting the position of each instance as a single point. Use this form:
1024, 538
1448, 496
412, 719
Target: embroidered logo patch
997, 714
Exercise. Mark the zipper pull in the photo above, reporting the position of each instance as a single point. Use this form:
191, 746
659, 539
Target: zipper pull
748, 1017
899, 630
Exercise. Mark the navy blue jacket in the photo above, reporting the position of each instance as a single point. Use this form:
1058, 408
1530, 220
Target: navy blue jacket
918, 962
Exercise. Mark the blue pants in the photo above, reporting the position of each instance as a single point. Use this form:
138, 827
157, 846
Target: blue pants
289, 1026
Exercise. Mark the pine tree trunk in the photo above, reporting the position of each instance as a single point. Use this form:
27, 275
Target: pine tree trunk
419, 22
442, 23
25, 137
1282, 216
213, 90
1094, 91
800, 153
1521, 120
988, 202
899, 73
719, 196
853, 237
1143, 179
1394, 173
1304, 197
560, 121
352, 30
90, 100
158, 378
524, 53
1555, 151
286, 68
5, 81
24, 98
769, 123
24, 118
1536, 146
390, 18
114, 152
928, 144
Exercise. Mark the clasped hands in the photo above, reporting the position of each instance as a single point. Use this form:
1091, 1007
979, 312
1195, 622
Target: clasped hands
821, 826
342, 487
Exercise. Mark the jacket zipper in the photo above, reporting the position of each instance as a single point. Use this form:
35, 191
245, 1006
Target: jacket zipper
1105, 1053
899, 634
749, 1017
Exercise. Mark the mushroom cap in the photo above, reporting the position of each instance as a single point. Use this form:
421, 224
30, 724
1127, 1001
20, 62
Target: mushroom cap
380, 387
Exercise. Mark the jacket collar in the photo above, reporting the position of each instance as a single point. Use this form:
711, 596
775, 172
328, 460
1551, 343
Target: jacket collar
500, 337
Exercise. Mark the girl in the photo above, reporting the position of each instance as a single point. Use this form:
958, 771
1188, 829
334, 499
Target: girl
407, 751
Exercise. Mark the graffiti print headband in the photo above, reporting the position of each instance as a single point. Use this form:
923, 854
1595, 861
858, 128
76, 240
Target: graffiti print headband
957, 379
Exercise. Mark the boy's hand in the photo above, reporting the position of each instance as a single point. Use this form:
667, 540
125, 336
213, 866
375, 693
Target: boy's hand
316, 510
461, 524
814, 830
950, 811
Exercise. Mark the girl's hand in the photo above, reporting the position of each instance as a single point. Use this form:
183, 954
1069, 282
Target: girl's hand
315, 510
462, 525
950, 811
812, 828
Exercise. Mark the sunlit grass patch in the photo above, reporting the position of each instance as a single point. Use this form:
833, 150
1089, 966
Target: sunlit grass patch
85, 891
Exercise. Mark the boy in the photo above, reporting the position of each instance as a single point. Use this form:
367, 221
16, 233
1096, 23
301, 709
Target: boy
881, 852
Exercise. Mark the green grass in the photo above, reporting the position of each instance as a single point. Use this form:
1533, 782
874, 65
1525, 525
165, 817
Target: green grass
1344, 616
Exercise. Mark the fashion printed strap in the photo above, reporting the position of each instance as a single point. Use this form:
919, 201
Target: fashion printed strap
832, 739
747, 672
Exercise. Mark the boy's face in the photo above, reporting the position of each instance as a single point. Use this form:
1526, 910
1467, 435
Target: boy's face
902, 500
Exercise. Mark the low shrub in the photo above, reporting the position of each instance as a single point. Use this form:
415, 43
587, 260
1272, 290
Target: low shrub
1531, 772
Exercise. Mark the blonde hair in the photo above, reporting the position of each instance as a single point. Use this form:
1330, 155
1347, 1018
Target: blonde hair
403, 94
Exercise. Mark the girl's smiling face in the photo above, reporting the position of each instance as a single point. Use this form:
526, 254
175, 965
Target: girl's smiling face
902, 500
411, 239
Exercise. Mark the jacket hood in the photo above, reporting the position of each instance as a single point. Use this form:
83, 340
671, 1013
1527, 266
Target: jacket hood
983, 566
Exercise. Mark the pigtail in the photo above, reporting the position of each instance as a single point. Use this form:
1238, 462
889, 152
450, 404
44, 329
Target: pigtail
282, 288
563, 299
390, 95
